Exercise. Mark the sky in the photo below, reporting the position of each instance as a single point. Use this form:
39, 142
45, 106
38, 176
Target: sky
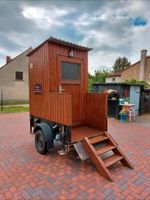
113, 28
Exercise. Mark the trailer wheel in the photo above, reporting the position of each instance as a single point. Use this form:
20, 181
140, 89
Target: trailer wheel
40, 142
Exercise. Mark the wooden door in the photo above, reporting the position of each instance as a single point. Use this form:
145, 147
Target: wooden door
70, 76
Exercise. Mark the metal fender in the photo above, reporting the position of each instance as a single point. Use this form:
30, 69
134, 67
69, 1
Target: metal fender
48, 133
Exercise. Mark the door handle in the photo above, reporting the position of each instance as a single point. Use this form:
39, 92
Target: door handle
61, 89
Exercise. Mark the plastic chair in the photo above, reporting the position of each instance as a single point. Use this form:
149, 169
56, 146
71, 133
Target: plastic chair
132, 113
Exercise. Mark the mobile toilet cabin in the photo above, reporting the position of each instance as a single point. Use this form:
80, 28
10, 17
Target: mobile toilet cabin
61, 107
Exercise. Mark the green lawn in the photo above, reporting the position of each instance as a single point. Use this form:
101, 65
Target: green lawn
14, 109
15, 102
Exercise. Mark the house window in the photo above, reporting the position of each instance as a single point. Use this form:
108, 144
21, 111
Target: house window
70, 71
19, 76
113, 79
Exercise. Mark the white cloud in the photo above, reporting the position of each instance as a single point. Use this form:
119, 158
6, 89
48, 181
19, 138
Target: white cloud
111, 34
44, 18
22, 39
102, 25
3, 51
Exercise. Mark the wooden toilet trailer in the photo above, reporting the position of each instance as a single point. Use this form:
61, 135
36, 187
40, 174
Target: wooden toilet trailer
62, 109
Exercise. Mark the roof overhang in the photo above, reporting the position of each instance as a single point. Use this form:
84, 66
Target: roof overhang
113, 75
63, 43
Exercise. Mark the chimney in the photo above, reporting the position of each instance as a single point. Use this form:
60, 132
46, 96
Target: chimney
142, 64
8, 59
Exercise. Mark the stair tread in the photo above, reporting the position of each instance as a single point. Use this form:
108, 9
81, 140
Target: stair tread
97, 139
99, 159
105, 148
112, 159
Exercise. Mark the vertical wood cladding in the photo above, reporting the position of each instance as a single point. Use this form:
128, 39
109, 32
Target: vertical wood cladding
44, 70
63, 108
96, 113
39, 74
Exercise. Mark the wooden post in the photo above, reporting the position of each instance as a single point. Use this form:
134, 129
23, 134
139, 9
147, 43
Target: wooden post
2, 103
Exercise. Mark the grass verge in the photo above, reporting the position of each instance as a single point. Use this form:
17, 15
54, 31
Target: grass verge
14, 109
15, 102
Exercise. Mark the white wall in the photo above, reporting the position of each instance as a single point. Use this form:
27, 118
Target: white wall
14, 89
113, 79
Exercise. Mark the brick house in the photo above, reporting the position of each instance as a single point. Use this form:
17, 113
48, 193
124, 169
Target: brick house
14, 77
138, 71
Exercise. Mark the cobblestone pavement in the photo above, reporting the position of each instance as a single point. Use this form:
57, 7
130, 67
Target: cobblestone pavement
143, 120
25, 174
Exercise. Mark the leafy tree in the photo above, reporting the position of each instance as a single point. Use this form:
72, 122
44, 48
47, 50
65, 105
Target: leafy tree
136, 82
90, 76
90, 82
120, 64
98, 77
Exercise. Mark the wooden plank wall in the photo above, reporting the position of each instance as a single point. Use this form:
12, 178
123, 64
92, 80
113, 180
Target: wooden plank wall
60, 108
55, 52
96, 111
45, 71
48, 105
38, 74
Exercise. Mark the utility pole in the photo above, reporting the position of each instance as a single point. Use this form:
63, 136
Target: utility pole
2, 100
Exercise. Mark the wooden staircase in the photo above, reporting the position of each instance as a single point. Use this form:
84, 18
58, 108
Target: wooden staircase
99, 147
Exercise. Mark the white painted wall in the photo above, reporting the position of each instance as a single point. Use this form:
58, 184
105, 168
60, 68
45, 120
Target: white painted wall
14, 89
113, 79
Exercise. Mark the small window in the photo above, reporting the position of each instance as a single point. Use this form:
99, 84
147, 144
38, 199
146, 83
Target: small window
70, 71
114, 79
19, 76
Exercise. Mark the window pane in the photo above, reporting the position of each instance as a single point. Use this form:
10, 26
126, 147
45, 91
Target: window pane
19, 75
70, 71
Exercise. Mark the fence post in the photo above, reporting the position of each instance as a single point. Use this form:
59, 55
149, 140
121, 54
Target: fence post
2, 103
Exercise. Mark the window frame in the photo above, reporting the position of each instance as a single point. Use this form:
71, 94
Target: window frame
70, 81
19, 79
61, 58
114, 79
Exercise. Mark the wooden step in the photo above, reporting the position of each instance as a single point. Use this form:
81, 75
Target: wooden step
98, 138
96, 159
105, 148
97, 145
112, 159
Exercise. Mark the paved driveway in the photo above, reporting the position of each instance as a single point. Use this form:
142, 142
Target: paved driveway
24, 174
143, 120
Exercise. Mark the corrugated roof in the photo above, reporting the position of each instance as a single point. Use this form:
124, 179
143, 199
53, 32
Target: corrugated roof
62, 42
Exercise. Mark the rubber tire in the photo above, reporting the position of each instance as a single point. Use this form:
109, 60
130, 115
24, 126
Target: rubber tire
40, 142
